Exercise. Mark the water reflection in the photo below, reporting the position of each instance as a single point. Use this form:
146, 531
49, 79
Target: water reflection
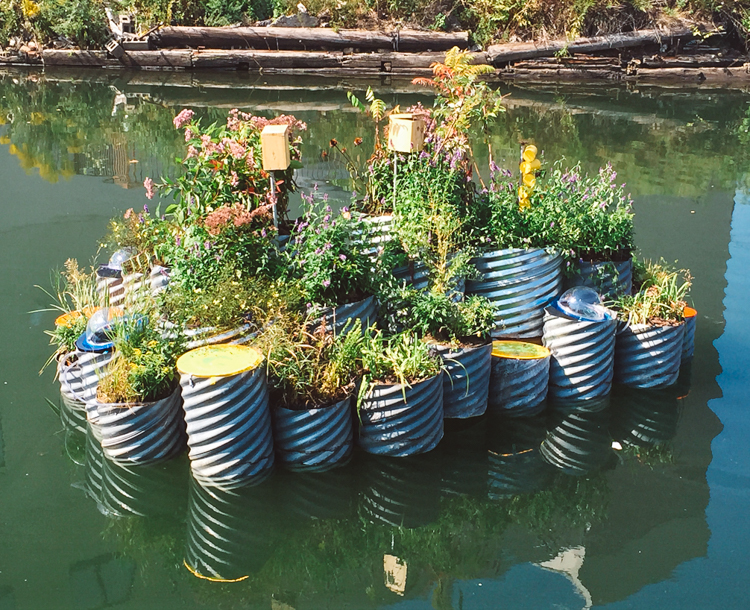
645, 418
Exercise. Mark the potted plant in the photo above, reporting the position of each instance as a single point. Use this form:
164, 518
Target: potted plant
330, 267
400, 402
138, 401
648, 346
460, 333
312, 380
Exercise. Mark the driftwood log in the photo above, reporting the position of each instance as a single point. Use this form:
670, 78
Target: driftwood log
305, 39
504, 53
175, 59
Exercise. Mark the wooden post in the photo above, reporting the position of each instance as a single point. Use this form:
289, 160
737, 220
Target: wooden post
274, 141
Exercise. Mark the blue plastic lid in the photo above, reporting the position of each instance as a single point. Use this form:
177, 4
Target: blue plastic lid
99, 330
583, 304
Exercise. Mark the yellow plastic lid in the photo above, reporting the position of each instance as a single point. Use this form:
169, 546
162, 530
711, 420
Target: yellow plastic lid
519, 350
219, 360
68, 318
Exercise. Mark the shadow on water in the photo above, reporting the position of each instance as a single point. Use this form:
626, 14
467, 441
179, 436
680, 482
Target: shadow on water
499, 502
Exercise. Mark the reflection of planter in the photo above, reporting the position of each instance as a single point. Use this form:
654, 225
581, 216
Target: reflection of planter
645, 417
313, 439
578, 440
688, 341
463, 458
402, 493
398, 421
520, 284
229, 535
466, 381
581, 366
337, 318
519, 378
648, 356
318, 495
225, 399
73, 419
142, 433
94, 470
607, 278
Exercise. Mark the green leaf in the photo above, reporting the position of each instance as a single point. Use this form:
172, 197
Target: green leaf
296, 164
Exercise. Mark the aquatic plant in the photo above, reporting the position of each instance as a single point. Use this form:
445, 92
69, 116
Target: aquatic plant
660, 295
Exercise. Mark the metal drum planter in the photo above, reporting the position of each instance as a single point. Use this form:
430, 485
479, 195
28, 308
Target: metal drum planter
414, 274
200, 337
648, 356
109, 286
582, 360
80, 376
688, 341
400, 421
378, 232
142, 433
158, 279
520, 284
466, 382
342, 317
225, 398
519, 378
313, 439
609, 279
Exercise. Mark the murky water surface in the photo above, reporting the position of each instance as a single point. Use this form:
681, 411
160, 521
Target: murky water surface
482, 522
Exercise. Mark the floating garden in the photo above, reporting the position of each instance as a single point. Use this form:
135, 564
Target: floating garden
444, 291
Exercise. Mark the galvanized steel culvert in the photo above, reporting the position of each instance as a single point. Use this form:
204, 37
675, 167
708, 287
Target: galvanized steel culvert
648, 356
142, 433
342, 317
81, 373
314, 439
466, 382
609, 279
582, 356
111, 290
520, 284
400, 421
518, 388
228, 426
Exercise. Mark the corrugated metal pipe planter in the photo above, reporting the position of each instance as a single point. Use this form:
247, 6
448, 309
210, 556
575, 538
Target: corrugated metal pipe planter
466, 382
200, 337
401, 421
578, 440
342, 317
225, 398
158, 279
80, 376
314, 439
228, 532
609, 279
402, 493
688, 341
416, 275
645, 418
648, 356
70, 387
109, 285
520, 284
378, 233
519, 378
142, 433
582, 356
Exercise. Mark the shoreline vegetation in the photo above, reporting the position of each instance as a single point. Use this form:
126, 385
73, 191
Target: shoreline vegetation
693, 40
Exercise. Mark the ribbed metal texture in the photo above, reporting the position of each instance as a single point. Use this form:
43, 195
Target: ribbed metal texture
648, 356
520, 284
72, 413
142, 433
366, 311
518, 388
158, 279
81, 373
645, 417
608, 279
111, 290
228, 426
688, 341
94, 470
200, 337
227, 531
466, 382
136, 286
578, 440
398, 427
318, 495
377, 233
512, 474
414, 274
402, 493
314, 439
582, 359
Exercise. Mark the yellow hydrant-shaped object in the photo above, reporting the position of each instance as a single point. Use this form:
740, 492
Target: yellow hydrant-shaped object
529, 165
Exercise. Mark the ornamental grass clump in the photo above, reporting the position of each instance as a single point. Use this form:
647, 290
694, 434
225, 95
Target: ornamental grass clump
659, 298
143, 369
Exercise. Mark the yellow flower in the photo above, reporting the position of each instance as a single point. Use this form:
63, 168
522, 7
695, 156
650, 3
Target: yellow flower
29, 8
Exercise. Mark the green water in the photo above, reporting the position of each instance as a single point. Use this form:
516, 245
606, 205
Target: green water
482, 522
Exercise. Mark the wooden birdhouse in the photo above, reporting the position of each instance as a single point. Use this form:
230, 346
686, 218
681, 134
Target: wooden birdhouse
274, 141
406, 133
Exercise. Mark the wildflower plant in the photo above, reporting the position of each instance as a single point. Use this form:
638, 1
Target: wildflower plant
223, 167
326, 255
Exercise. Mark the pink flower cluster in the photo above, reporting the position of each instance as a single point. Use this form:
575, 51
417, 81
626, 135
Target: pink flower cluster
186, 115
